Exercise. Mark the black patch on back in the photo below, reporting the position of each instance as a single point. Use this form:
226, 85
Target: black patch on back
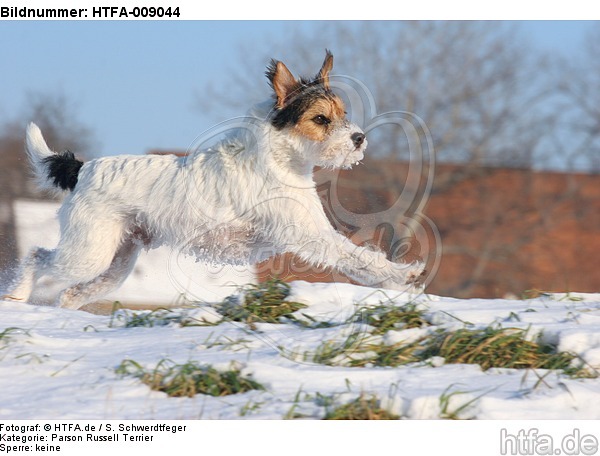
64, 169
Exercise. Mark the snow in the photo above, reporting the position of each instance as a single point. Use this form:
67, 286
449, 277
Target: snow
60, 364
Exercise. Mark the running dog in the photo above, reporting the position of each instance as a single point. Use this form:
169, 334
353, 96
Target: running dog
247, 198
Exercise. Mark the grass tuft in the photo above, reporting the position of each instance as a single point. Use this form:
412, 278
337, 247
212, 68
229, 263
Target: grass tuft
496, 347
393, 355
264, 303
333, 353
363, 408
385, 318
158, 317
490, 347
189, 379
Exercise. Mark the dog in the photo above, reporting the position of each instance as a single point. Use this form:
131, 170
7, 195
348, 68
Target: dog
250, 196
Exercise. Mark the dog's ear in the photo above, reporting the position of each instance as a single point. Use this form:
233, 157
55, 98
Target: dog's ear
282, 81
323, 75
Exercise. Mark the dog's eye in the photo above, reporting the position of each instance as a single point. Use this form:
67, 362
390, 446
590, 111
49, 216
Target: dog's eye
321, 120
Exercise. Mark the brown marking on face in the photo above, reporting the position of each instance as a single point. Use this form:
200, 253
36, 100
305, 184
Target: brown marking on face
324, 114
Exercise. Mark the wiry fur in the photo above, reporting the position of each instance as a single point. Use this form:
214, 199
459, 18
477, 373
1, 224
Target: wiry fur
249, 197
54, 172
63, 169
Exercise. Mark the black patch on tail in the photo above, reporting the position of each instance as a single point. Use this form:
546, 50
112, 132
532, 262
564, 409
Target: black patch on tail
64, 169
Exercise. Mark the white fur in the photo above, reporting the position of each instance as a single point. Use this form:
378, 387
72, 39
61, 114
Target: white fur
249, 197
37, 150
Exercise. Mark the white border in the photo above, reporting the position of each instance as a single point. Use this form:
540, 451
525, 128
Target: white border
332, 10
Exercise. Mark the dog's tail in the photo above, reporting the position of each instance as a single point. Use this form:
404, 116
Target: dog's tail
53, 171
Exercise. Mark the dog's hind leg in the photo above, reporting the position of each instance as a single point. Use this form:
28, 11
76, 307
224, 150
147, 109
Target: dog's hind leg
120, 268
30, 271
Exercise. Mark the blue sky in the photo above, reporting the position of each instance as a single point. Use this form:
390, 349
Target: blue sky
134, 83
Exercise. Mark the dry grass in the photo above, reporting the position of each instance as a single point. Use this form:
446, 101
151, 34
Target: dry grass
264, 303
363, 408
488, 347
496, 347
189, 379
385, 318
156, 317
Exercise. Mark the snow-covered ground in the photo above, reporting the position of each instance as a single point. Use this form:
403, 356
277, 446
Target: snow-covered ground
61, 364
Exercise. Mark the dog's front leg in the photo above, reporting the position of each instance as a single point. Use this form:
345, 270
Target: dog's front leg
361, 264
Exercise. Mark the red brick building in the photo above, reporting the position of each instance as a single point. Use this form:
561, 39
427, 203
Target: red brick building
503, 230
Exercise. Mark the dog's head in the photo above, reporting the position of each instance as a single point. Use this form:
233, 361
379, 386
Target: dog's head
309, 111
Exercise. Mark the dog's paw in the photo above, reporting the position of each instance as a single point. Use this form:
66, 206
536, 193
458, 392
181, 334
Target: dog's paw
416, 275
406, 277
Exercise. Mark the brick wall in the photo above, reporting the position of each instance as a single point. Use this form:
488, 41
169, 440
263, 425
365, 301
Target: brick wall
503, 231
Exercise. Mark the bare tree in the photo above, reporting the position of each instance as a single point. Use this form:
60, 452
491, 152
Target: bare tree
577, 136
477, 85
55, 116
479, 88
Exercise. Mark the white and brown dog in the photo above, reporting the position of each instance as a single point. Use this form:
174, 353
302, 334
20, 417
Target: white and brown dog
249, 197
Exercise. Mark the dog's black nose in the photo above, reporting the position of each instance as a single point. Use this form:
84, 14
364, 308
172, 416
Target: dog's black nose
357, 139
